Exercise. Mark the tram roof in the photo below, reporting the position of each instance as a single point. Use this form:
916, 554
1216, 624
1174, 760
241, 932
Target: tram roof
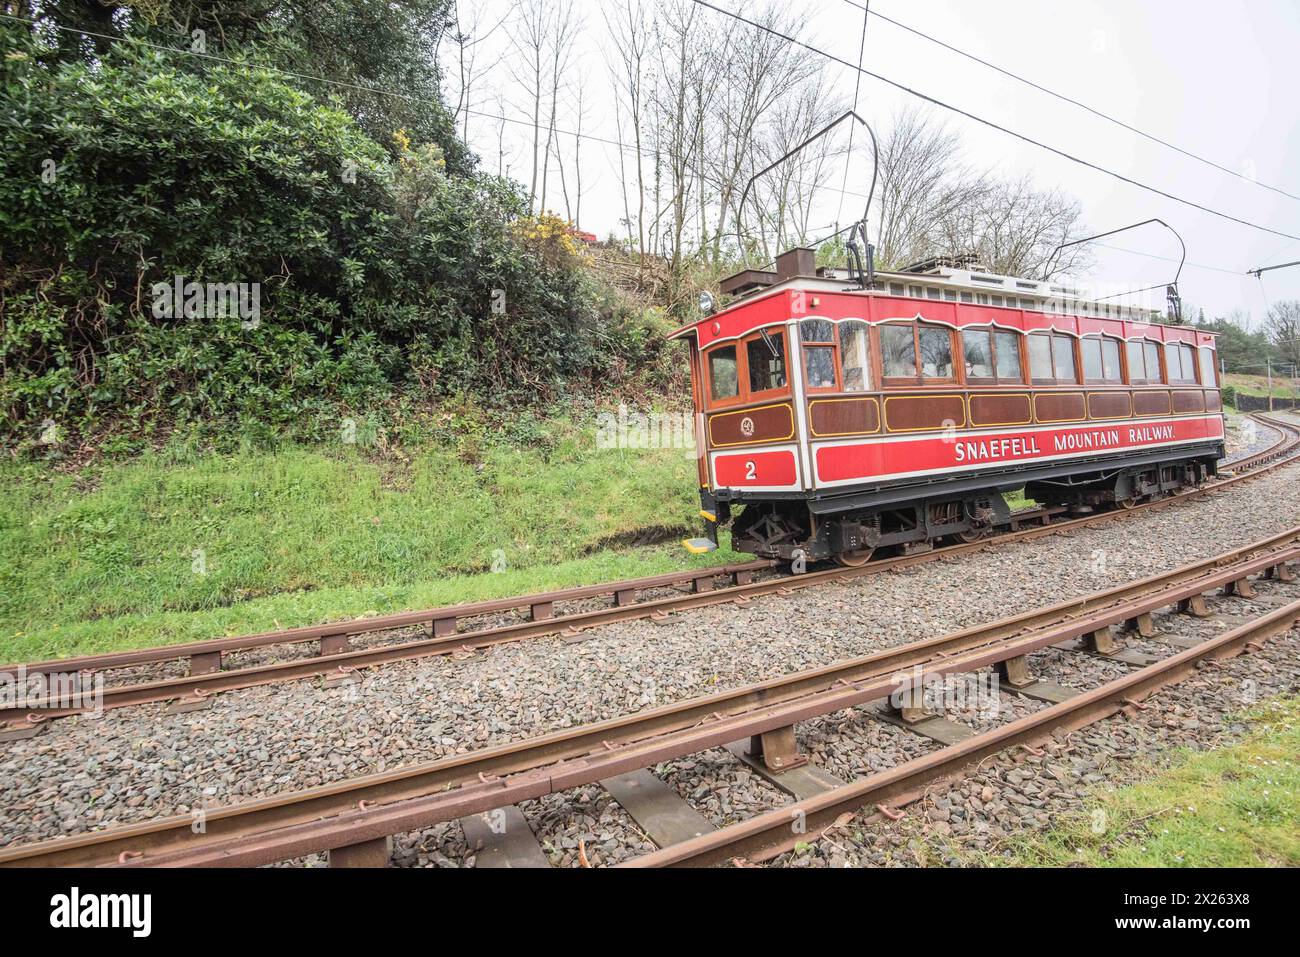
954, 283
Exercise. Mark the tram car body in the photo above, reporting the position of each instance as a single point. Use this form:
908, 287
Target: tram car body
832, 420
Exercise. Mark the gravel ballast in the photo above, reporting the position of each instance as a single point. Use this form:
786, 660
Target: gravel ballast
1017, 792
138, 763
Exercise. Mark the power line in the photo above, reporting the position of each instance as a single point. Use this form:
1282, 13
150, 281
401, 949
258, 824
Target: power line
1279, 252
1061, 96
1132, 292
989, 123
1168, 259
857, 82
365, 88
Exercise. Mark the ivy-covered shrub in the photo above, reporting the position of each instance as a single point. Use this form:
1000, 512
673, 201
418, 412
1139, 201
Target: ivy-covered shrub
367, 269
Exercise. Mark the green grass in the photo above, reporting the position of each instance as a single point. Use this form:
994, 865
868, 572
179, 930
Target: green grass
155, 550
1257, 385
1237, 806
1016, 500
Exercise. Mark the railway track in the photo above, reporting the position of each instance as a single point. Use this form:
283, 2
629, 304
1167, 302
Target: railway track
353, 819
765, 836
452, 629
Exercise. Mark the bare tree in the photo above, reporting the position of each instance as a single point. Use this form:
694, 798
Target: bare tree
1283, 329
687, 74
922, 180
528, 37
761, 69
467, 36
630, 27
786, 197
699, 107
580, 114
564, 26
930, 202
1013, 228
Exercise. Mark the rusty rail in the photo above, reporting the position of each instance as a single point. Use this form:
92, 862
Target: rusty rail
338, 660
342, 815
1290, 438
766, 835
443, 621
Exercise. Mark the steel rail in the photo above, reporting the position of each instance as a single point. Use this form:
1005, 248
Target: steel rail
539, 604
364, 825
1288, 440
770, 833
342, 663
585, 747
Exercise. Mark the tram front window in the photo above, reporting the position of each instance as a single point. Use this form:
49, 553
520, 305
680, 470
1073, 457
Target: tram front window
766, 358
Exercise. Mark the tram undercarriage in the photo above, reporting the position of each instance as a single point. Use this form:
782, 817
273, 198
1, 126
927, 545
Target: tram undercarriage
793, 529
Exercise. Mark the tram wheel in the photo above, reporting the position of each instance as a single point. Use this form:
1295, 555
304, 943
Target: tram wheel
1133, 501
972, 535
855, 558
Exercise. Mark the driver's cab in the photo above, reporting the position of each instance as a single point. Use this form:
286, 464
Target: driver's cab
753, 369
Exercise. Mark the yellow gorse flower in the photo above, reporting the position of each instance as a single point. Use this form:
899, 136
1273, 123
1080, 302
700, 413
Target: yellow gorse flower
552, 237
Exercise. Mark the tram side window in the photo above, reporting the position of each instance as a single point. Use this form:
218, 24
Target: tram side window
818, 337
898, 351
1007, 347
991, 356
1152, 354
1051, 359
819, 366
723, 380
1100, 359
816, 330
1208, 377
977, 346
1063, 358
936, 352
1110, 366
1040, 358
1187, 356
765, 357
1136, 364
855, 356
1173, 362
1091, 349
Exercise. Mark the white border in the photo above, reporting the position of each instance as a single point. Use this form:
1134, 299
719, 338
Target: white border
794, 450
992, 323
1012, 430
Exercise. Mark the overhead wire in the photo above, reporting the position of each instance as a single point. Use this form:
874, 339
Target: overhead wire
1067, 99
996, 126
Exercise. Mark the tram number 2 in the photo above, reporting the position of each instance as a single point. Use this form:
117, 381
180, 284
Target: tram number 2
751, 472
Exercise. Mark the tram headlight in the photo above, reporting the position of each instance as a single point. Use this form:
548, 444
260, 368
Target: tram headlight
706, 303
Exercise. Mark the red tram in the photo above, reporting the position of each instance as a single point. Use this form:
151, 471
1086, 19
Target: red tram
840, 419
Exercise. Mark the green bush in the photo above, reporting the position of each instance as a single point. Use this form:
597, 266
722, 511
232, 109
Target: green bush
1229, 395
376, 267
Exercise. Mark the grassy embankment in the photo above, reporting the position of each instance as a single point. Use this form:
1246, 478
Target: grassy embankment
164, 549
1258, 385
1236, 806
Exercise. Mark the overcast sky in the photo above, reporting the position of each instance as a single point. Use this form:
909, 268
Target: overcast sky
1219, 80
